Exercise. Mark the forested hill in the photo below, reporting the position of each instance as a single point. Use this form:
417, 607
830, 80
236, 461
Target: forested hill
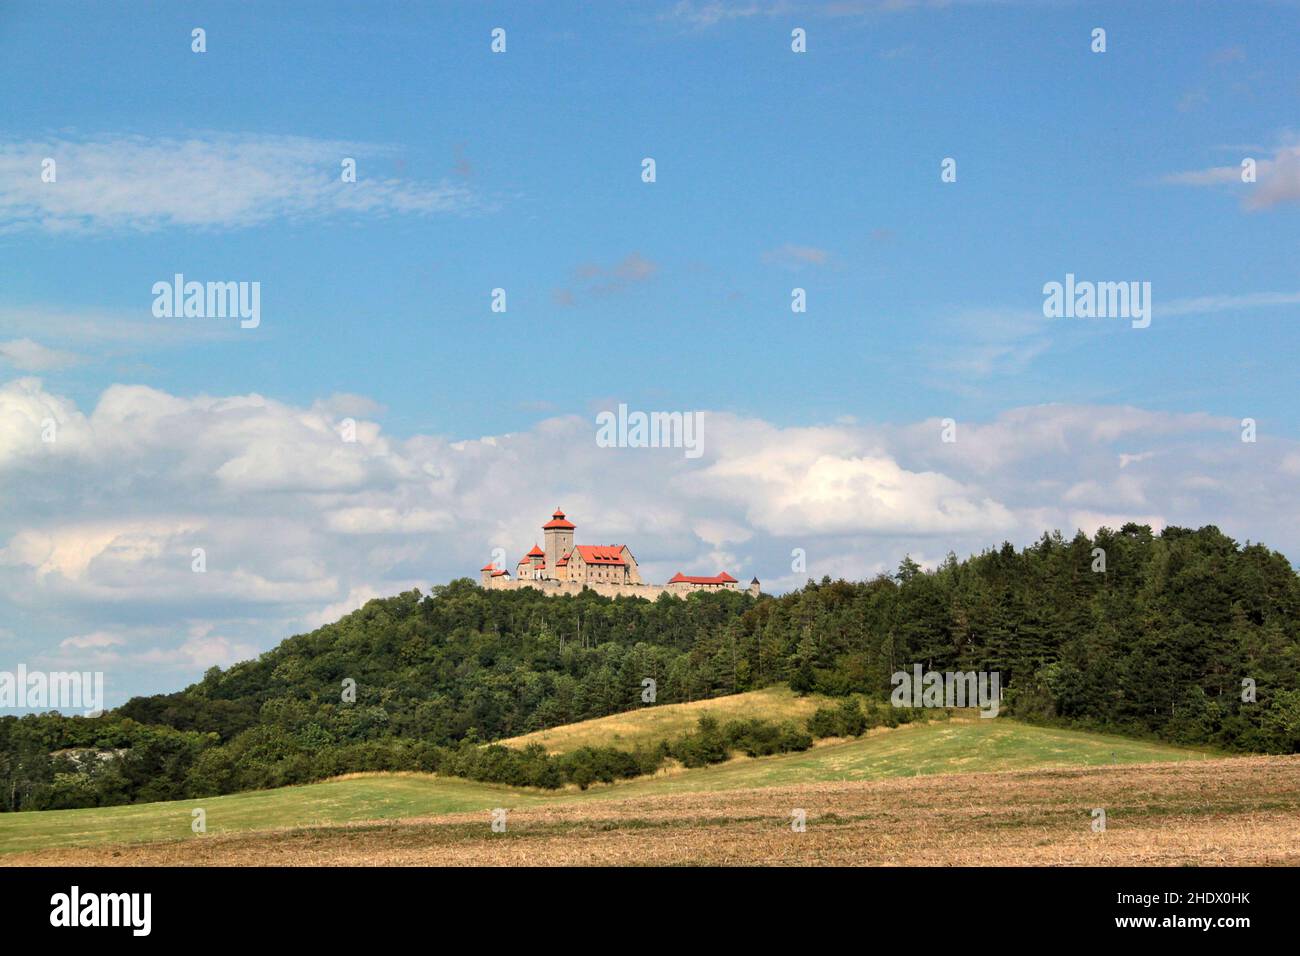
1157, 643
466, 661
1160, 641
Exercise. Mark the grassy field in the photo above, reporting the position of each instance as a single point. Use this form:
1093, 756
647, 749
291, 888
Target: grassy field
963, 744
649, 725
1239, 811
959, 745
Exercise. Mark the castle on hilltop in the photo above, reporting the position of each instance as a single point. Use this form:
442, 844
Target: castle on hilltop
562, 567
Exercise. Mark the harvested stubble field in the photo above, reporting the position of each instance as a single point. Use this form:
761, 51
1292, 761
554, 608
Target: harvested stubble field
960, 744
1238, 811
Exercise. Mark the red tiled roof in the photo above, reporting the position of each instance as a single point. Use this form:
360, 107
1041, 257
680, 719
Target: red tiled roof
497, 574
558, 521
722, 577
563, 561
601, 553
488, 567
536, 552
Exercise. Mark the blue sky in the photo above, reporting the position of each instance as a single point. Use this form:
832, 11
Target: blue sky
522, 170
1061, 155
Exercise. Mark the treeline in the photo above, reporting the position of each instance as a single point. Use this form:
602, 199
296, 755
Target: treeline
86, 777
1185, 635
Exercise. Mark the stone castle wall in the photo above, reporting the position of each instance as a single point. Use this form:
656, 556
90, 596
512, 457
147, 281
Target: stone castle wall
553, 587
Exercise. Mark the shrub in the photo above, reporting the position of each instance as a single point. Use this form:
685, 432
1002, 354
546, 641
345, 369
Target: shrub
852, 721
825, 722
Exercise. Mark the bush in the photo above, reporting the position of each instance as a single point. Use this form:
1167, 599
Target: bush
852, 721
844, 720
587, 765
754, 737
793, 739
704, 746
825, 722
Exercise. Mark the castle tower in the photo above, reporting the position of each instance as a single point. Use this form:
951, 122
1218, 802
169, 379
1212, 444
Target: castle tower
559, 540
755, 589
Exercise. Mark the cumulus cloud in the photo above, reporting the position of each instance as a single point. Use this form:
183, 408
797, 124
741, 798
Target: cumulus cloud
296, 525
207, 180
819, 481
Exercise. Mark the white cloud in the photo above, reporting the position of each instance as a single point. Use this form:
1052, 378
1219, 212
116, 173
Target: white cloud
371, 520
208, 180
68, 550
99, 639
817, 481
299, 526
1208, 304
197, 653
1091, 521
28, 356
110, 330
357, 597
1277, 180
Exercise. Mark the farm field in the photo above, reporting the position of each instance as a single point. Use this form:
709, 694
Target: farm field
1241, 811
746, 792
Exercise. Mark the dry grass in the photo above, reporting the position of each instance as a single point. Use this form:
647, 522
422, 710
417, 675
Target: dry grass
647, 726
1241, 811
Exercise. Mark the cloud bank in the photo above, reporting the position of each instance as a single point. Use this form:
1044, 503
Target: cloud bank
297, 525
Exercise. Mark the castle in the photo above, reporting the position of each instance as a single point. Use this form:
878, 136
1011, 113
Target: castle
562, 567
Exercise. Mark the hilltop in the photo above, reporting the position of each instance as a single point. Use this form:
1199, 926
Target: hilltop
1184, 635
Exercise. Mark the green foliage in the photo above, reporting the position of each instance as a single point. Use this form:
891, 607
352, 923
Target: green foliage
712, 742
705, 745
1157, 645
762, 738
825, 722
848, 719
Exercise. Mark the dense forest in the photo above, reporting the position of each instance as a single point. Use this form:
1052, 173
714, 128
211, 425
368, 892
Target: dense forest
1158, 643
